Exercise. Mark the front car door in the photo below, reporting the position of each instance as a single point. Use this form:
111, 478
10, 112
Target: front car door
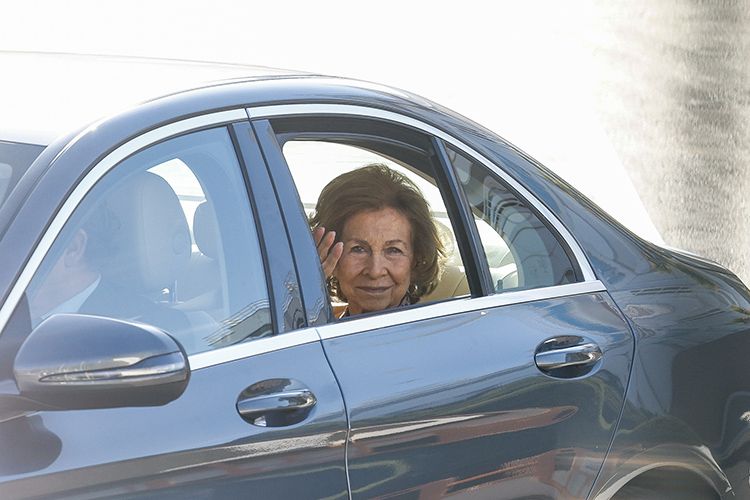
177, 229
509, 384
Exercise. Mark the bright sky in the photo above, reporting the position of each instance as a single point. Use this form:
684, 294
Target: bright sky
523, 69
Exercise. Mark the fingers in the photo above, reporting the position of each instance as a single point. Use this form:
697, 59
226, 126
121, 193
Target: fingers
328, 253
329, 264
323, 240
318, 234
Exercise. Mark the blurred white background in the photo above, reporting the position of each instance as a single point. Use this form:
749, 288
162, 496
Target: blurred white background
571, 83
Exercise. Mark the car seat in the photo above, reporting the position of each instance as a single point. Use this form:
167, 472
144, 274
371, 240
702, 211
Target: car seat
150, 238
151, 248
200, 288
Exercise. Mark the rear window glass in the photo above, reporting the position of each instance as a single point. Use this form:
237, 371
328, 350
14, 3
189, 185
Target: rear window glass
15, 158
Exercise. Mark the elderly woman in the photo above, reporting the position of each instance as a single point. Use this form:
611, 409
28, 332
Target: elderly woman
388, 250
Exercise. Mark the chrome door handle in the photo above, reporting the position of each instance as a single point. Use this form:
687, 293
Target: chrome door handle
284, 401
258, 409
578, 355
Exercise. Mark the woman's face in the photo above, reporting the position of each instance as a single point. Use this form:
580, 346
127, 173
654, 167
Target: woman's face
374, 271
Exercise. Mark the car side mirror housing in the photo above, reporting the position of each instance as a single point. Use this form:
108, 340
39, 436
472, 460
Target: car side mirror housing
76, 361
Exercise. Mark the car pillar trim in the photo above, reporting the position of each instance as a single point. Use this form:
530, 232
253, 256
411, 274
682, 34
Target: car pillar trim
354, 110
101, 168
455, 306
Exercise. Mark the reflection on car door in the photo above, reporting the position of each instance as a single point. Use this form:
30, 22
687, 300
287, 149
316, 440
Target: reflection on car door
456, 404
262, 414
196, 446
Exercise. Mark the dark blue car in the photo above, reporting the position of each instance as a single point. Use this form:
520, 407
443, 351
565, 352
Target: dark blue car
166, 331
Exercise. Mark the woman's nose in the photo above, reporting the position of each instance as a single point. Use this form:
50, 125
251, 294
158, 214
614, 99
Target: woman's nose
376, 265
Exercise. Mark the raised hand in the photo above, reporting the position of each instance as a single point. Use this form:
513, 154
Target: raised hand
328, 252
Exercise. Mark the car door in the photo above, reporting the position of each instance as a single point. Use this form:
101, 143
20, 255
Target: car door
513, 390
178, 230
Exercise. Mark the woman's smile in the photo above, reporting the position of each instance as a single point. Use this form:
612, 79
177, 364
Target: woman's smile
375, 268
374, 289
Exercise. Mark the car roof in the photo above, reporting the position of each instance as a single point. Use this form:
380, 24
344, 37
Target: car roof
45, 95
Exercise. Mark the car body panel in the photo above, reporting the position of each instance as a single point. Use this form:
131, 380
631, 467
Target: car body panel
198, 443
464, 391
690, 385
680, 308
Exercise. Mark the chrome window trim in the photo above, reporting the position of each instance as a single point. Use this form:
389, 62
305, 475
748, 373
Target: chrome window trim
347, 109
392, 318
83, 187
252, 348
455, 306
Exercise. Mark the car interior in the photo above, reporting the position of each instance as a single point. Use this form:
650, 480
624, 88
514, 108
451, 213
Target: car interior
170, 231
209, 292
317, 151
353, 152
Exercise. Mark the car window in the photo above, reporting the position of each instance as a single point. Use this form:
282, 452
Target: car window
166, 238
315, 161
521, 251
314, 164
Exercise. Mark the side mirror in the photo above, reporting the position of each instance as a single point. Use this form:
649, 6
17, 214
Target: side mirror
75, 361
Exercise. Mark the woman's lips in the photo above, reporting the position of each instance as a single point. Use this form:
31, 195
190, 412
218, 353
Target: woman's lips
374, 290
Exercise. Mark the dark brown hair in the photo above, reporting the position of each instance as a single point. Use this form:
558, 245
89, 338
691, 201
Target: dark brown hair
374, 187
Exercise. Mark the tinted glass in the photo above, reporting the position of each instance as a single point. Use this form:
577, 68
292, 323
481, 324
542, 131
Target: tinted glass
522, 252
166, 238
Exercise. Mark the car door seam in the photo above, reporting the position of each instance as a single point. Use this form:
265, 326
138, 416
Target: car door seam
346, 413
625, 393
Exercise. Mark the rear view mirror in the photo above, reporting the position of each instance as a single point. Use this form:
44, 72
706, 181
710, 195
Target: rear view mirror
75, 361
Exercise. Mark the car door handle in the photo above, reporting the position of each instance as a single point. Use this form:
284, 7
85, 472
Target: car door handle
277, 409
577, 355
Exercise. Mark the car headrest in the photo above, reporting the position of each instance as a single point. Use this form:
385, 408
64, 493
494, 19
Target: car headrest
205, 230
150, 239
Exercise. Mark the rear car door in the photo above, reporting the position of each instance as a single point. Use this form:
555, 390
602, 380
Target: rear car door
509, 386
176, 229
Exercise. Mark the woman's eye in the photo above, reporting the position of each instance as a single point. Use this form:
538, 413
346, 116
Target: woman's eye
394, 251
357, 249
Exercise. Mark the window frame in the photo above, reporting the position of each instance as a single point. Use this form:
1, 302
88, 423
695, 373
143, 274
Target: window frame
533, 207
230, 121
588, 281
422, 158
